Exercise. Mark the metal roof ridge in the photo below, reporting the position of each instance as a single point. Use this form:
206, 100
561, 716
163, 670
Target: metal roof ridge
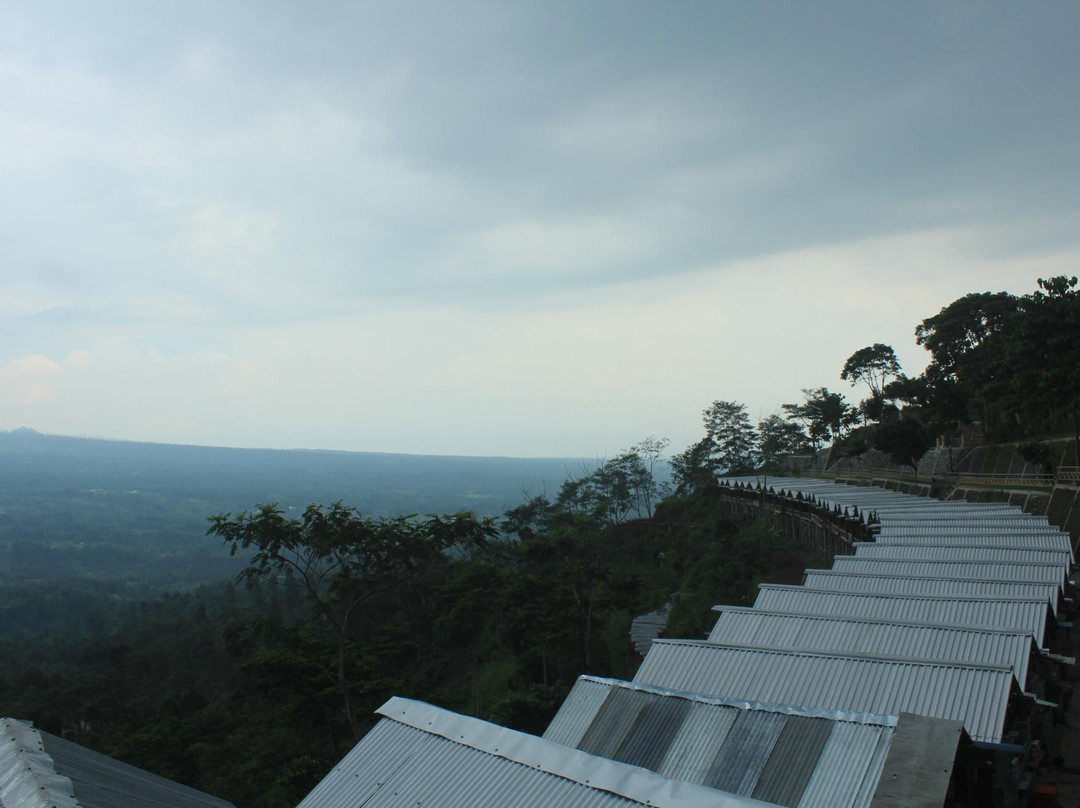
931, 577
631, 782
853, 717
874, 620
825, 653
974, 598
976, 546
29, 779
981, 562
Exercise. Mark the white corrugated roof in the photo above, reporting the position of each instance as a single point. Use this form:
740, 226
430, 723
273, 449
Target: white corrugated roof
963, 528
1059, 541
800, 631
976, 695
926, 585
1021, 520
1034, 571
1028, 614
961, 552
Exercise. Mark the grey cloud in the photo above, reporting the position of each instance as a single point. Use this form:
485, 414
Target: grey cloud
749, 128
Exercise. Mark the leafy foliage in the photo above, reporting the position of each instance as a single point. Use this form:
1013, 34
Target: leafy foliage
961, 337
874, 366
731, 437
905, 440
1043, 354
1005, 360
342, 560
825, 415
235, 689
778, 438
727, 448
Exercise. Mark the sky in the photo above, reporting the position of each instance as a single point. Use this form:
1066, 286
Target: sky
506, 228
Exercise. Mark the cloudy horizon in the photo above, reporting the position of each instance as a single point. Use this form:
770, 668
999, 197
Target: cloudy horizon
506, 228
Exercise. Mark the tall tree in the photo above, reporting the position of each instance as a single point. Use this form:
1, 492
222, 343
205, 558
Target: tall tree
731, 437
963, 340
937, 400
904, 440
778, 438
692, 468
825, 415
1043, 355
640, 463
874, 366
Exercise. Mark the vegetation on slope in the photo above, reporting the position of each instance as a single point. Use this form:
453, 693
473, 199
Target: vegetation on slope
1007, 362
235, 689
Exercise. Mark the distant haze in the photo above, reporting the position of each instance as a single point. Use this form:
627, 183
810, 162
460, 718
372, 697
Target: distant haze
120, 510
539, 229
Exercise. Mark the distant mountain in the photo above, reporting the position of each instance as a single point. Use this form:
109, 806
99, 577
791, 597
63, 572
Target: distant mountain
114, 509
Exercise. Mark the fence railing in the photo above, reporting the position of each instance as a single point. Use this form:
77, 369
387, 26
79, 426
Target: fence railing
1070, 474
1033, 480
870, 473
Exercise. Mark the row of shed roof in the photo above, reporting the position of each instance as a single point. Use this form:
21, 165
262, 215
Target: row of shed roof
975, 578
798, 701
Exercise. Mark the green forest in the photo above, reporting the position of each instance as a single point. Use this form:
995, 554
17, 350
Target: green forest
252, 686
252, 690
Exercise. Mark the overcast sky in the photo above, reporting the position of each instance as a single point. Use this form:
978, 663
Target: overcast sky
506, 228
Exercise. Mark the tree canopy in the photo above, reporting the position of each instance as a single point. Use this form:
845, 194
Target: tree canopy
1005, 360
342, 560
874, 366
826, 415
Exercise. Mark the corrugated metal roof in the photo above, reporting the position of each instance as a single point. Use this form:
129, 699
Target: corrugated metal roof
1027, 614
961, 552
39, 770
915, 585
978, 570
1049, 542
809, 632
775, 753
890, 505
932, 509
962, 528
876, 498
423, 755
1024, 520
976, 695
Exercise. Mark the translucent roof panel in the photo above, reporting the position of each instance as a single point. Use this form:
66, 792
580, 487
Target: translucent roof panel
976, 695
